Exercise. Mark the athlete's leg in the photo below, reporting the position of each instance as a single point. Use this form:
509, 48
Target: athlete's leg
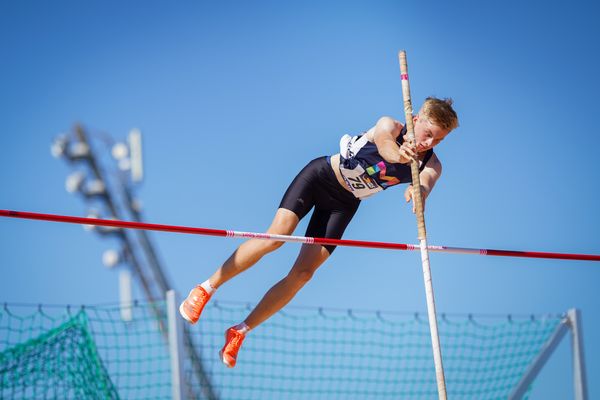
246, 255
310, 258
334, 209
296, 202
249, 252
329, 223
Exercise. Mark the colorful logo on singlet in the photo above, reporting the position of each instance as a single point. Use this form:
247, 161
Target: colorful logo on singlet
381, 169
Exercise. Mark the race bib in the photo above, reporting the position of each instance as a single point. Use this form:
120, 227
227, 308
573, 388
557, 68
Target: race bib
355, 176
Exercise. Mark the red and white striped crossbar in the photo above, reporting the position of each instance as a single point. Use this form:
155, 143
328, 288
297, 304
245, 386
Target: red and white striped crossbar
288, 238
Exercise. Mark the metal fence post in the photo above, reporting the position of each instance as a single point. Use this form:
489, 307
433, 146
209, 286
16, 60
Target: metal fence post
579, 380
175, 346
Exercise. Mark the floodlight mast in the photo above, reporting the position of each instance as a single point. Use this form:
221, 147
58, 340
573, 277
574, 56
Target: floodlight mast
153, 282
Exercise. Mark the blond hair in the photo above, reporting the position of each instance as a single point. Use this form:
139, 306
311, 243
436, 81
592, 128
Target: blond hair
439, 112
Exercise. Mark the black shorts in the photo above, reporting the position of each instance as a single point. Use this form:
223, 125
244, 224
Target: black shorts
316, 186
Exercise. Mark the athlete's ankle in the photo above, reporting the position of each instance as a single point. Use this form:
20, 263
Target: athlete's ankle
208, 287
242, 328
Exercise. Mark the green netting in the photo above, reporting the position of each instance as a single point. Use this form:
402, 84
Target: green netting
321, 354
298, 354
133, 354
61, 363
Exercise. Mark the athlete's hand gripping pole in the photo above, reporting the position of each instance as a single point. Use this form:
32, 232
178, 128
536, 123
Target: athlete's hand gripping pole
418, 202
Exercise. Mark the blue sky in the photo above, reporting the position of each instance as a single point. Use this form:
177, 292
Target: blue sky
234, 98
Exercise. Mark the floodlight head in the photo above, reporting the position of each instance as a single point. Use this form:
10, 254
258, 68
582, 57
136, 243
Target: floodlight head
59, 146
95, 188
109, 230
101, 229
110, 258
78, 151
125, 164
120, 151
93, 213
74, 182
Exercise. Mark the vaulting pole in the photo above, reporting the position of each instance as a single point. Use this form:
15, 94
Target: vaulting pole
418, 201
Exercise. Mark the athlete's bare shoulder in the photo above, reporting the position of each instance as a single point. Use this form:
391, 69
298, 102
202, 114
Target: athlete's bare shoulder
386, 128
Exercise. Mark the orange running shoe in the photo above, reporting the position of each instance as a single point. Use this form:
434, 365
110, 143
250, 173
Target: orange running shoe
192, 307
233, 342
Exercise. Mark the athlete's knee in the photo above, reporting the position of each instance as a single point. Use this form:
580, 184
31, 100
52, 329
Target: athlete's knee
302, 275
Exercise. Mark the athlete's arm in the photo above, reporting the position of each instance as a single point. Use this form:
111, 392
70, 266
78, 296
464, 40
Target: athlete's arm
386, 132
428, 177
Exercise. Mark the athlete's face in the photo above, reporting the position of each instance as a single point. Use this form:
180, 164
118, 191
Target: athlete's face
427, 135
